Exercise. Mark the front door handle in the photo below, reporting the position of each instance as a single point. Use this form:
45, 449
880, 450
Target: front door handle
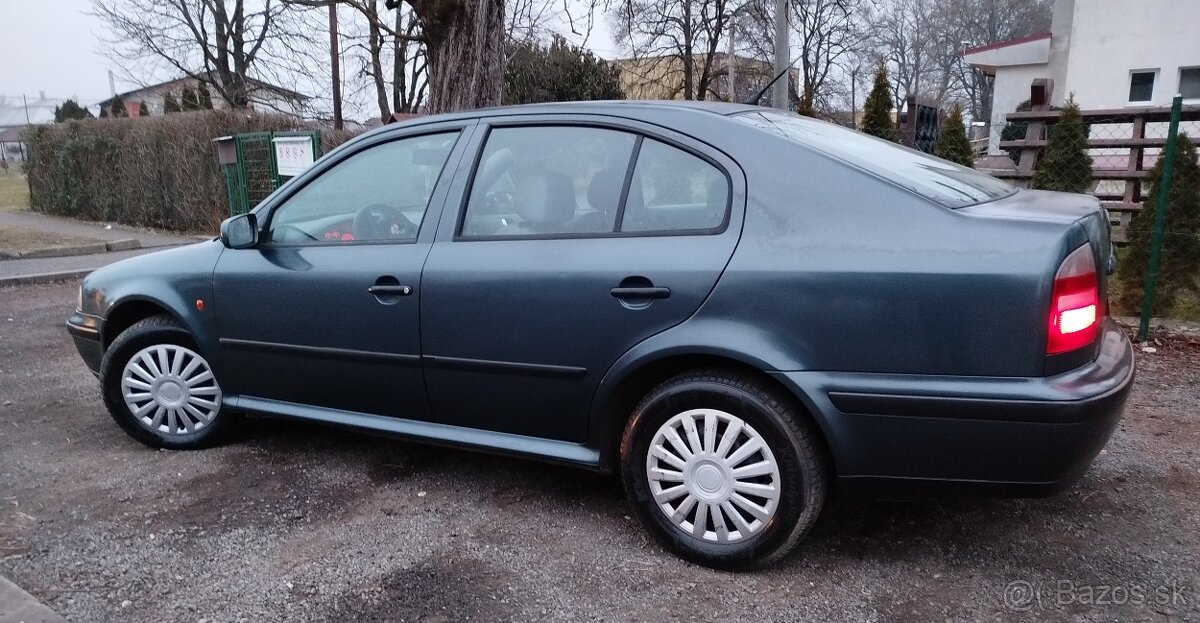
650, 292
390, 290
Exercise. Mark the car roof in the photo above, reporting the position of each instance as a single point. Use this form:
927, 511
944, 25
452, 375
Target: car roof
632, 109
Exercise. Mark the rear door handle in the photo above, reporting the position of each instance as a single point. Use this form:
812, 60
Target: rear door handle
388, 289
641, 293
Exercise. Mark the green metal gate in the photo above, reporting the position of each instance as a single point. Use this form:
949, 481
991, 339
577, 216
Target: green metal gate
251, 171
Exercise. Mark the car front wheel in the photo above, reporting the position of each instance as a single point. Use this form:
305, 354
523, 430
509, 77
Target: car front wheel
159, 389
722, 469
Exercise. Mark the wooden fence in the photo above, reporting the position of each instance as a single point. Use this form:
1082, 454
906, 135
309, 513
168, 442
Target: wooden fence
1124, 144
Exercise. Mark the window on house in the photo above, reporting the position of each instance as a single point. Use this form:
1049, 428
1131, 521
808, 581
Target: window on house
1141, 86
1189, 83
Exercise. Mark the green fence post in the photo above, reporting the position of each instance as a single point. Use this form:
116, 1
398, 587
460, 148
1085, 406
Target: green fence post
1160, 219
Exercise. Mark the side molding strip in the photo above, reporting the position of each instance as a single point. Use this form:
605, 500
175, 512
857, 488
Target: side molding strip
441, 434
432, 361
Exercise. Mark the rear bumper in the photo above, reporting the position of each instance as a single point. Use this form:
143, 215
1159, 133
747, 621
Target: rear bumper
85, 331
904, 435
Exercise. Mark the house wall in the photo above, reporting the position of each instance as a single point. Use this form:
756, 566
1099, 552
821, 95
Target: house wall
1109, 38
1095, 46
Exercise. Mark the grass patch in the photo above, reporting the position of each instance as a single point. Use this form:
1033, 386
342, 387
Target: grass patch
14, 191
17, 240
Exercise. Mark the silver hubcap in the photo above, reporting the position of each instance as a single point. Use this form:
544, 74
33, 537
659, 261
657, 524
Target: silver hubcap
713, 475
170, 389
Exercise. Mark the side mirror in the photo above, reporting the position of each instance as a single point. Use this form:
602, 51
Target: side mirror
240, 232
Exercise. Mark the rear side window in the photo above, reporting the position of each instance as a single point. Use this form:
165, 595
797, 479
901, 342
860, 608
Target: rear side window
553, 181
673, 190
943, 182
548, 180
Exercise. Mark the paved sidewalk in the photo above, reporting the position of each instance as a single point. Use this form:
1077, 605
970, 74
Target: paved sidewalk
49, 269
17, 606
71, 267
80, 229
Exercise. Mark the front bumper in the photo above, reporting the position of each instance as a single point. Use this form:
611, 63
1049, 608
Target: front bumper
904, 435
85, 331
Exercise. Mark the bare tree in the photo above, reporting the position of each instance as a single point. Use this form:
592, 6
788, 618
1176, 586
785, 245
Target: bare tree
980, 22
674, 41
218, 43
464, 51
923, 40
829, 34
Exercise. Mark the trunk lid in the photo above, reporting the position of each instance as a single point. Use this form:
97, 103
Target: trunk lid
1056, 207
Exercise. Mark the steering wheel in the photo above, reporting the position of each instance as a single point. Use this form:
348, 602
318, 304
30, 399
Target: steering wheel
382, 222
499, 202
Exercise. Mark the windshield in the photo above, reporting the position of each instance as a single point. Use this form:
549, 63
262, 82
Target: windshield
949, 184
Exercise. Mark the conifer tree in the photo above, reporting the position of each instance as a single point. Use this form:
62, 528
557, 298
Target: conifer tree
203, 97
70, 109
877, 111
170, 104
189, 101
952, 143
117, 108
1065, 166
1179, 263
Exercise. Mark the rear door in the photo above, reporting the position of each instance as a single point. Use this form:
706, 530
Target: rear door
576, 239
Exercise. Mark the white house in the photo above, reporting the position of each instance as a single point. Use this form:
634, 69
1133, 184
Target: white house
263, 97
1108, 53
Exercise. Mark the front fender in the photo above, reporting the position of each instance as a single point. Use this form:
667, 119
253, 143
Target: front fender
173, 280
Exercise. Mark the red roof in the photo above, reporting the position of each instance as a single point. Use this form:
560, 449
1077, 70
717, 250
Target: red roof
1004, 44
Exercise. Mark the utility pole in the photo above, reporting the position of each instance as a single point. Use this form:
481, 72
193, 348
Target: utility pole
335, 64
853, 97
779, 92
731, 61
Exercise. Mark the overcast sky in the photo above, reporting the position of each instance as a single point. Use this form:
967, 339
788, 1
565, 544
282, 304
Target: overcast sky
54, 46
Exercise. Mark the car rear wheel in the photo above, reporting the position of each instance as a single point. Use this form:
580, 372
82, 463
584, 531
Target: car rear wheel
160, 389
722, 469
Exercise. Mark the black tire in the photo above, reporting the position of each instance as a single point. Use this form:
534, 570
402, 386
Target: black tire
792, 439
142, 334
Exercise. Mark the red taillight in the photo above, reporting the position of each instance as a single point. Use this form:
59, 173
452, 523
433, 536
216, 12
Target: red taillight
1075, 303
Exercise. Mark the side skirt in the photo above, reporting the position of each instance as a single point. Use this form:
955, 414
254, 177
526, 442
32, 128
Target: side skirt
507, 444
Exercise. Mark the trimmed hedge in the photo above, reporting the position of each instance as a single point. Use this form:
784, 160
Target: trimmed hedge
156, 172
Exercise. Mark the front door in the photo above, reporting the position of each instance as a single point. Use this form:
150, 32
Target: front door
326, 310
577, 243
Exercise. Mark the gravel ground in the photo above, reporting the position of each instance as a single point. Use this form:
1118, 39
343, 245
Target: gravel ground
293, 522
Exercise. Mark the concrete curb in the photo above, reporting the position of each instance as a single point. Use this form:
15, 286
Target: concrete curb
91, 248
17, 606
124, 244
24, 280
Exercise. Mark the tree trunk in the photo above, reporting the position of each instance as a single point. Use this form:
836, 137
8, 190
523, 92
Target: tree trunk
375, 44
399, 60
465, 52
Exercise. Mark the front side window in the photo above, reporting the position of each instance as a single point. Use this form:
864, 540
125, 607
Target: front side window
1189, 83
379, 194
547, 181
1141, 86
941, 181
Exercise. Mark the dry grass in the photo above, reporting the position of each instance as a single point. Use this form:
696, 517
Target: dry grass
14, 240
14, 191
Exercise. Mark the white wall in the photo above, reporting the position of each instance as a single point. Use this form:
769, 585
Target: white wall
1012, 88
1109, 38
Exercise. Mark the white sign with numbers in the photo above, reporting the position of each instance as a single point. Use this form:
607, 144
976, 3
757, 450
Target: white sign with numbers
293, 154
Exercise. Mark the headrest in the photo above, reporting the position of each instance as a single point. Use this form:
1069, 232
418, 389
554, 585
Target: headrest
545, 197
605, 190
